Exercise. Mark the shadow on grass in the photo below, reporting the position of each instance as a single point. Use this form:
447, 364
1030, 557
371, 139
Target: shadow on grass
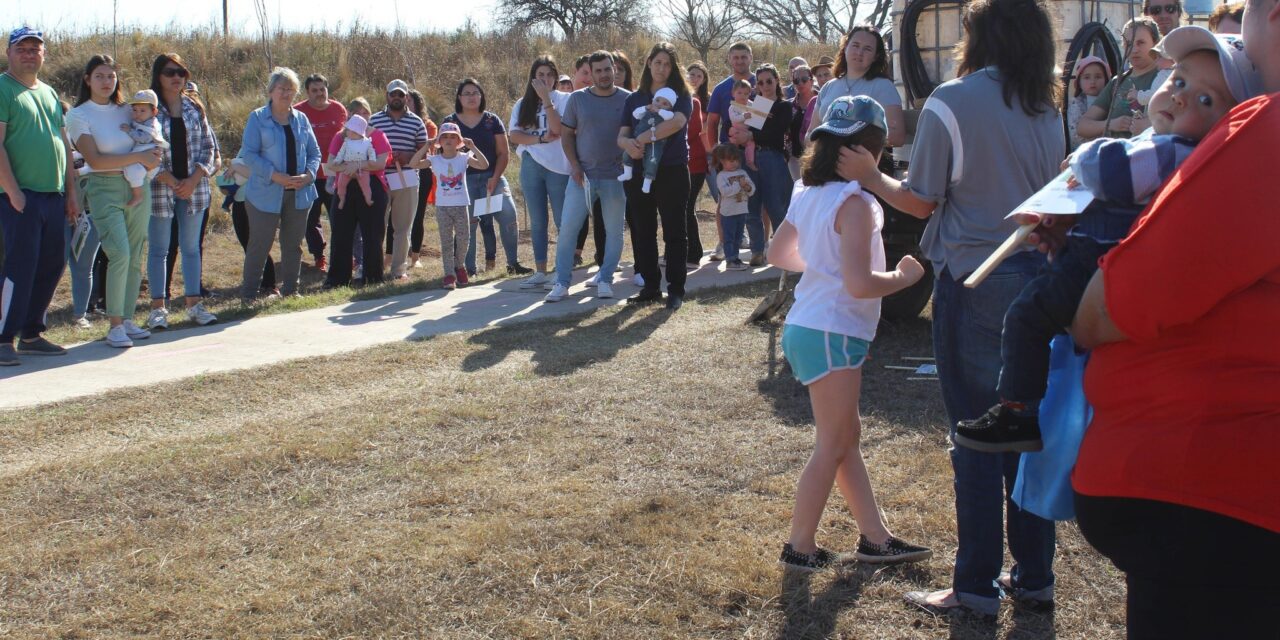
814, 616
593, 338
789, 398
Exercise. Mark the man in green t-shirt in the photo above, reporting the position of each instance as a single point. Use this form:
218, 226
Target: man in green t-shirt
37, 198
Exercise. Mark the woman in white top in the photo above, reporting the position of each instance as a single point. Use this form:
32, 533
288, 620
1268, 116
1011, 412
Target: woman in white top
832, 234
862, 69
94, 126
544, 169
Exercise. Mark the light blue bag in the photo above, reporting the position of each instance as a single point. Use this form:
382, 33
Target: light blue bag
1043, 486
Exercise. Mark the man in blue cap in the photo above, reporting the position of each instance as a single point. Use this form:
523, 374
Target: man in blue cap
37, 198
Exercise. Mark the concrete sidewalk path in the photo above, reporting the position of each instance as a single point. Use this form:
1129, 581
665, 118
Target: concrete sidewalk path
93, 367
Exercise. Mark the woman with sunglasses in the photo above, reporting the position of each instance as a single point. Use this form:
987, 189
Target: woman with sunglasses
1168, 15
801, 101
773, 178
180, 191
862, 69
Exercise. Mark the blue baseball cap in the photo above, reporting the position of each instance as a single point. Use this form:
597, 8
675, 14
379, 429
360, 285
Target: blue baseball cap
849, 115
23, 33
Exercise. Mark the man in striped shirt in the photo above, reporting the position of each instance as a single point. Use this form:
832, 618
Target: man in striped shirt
407, 133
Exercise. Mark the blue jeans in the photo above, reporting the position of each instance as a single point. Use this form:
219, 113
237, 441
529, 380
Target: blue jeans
540, 184
578, 199
774, 186
158, 232
755, 224
731, 234
82, 269
477, 184
967, 324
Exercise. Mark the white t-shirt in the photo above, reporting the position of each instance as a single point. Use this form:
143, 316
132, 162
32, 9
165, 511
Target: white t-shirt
548, 154
735, 191
451, 180
822, 302
356, 151
102, 123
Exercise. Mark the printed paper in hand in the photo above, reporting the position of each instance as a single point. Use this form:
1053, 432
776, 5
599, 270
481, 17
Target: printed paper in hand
757, 111
1056, 198
486, 206
79, 236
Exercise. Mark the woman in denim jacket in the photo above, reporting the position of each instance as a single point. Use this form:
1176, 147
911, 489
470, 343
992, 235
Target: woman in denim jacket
281, 151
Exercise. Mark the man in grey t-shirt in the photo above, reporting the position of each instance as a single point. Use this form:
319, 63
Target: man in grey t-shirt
589, 134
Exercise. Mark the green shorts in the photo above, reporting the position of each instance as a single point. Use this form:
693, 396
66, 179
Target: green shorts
813, 353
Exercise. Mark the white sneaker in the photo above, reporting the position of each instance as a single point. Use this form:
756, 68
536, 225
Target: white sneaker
662, 261
82, 323
558, 292
719, 253
118, 338
134, 331
158, 319
201, 315
638, 280
591, 283
358, 274
538, 279
604, 290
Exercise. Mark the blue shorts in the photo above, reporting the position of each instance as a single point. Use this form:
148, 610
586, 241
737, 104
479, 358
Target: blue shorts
813, 354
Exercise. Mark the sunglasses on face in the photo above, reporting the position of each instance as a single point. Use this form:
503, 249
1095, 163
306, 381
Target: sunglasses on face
1171, 9
171, 72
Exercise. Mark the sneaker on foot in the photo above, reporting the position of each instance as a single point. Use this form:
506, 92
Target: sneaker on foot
518, 269
450, 282
1039, 600
735, 264
637, 280
158, 319
537, 280
718, 254
692, 266
577, 261
40, 347
591, 283
462, 276
818, 560
604, 290
893, 551
134, 331
757, 260
117, 337
201, 315
82, 323
8, 357
662, 261
1001, 429
322, 264
558, 292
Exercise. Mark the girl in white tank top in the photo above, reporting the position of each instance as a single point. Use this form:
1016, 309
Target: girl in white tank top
832, 234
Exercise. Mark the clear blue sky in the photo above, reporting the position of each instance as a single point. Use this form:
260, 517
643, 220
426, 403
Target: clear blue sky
88, 15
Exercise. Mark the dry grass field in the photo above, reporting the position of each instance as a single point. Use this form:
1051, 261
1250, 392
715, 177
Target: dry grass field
624, 474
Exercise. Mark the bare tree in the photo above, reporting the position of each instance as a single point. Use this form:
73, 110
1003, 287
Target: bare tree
707, 25
574, 18
810, 20
264, 24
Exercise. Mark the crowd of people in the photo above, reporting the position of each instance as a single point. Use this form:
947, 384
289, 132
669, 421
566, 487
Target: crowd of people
1175, 475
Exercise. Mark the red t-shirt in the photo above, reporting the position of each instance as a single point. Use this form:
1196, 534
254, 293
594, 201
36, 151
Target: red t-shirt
380, 146
1187, 410
325, 122
697, 152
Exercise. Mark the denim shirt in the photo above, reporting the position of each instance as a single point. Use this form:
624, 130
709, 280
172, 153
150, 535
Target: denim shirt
263, 150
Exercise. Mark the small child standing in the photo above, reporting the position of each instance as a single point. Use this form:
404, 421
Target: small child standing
649, 118
1091, 74
738, 113
356, 147
735, 190
831, 233
146, 135
1211, 75
452, 200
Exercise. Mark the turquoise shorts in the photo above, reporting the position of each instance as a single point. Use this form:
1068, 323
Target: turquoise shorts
813, 353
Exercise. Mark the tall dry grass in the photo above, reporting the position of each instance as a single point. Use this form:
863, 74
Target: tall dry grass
232, 72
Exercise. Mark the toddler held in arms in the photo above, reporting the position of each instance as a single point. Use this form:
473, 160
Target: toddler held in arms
356, 147
831, 233
146, 135
738, 116
1211, 75
649, 118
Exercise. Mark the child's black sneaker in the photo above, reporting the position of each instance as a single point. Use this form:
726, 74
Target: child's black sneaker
1001, 429
818, 560
893, 551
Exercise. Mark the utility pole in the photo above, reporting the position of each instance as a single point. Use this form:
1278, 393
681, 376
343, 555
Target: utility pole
225, 33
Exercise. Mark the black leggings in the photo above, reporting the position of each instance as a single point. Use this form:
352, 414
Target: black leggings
696, 180
342, 233
1190, 573
665, 202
